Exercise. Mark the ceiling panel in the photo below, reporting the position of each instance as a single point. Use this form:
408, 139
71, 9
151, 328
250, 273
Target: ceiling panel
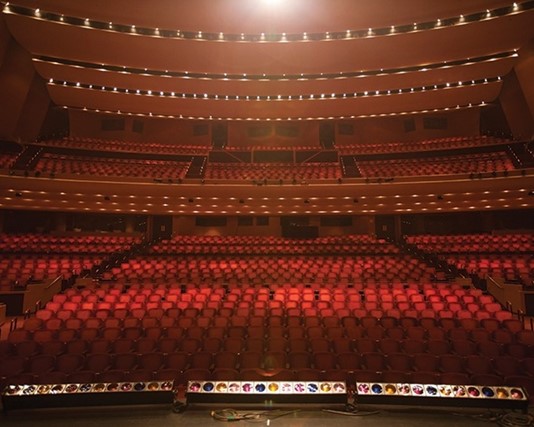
332, 59
334, 56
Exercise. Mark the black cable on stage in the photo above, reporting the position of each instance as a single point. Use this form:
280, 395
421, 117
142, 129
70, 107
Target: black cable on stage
505, 419
512, 419
351, 411
230, 415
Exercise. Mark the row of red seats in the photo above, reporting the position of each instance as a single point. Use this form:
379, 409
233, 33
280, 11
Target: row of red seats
391, 341
21, 267
263, 245
270, 147
464, 243
363, 339
43, 256
275, 240
262, 269
443, 165
284, 171
499, 255
183, 288
447, 143
223, 317
7, 160
319, 263
480, 238
306, 297
272, 360
89, 239
95, 144
359, 309
510, 267
326, 249
104, 166
369, 148
46, 243
348, 366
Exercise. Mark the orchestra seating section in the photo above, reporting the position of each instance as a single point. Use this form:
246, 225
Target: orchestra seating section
474, 155
241, 307
284, 171
139, 332
95, 144
38, 257
102, 166
449, 143
442, 165
508, 256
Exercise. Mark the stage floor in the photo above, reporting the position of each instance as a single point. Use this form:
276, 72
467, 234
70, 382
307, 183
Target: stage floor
145, 416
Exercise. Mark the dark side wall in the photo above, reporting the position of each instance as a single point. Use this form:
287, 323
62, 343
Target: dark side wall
25, 100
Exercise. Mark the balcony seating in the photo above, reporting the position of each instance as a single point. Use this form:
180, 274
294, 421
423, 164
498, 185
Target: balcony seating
95, 144
432, 166
447, 143
277, 171
110, 167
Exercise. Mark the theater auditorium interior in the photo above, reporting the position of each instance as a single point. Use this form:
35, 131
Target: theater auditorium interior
290, 213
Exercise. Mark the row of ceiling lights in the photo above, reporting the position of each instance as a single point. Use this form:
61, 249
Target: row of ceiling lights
307, 97
277, 119
215, 198
277, 77
271, 212
265, 37
27, 195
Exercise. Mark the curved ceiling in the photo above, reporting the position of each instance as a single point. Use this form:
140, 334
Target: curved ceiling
304, 59
269, 16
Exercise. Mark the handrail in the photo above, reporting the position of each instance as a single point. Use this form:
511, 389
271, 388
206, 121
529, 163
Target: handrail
13, 324
53, 282
488, 277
